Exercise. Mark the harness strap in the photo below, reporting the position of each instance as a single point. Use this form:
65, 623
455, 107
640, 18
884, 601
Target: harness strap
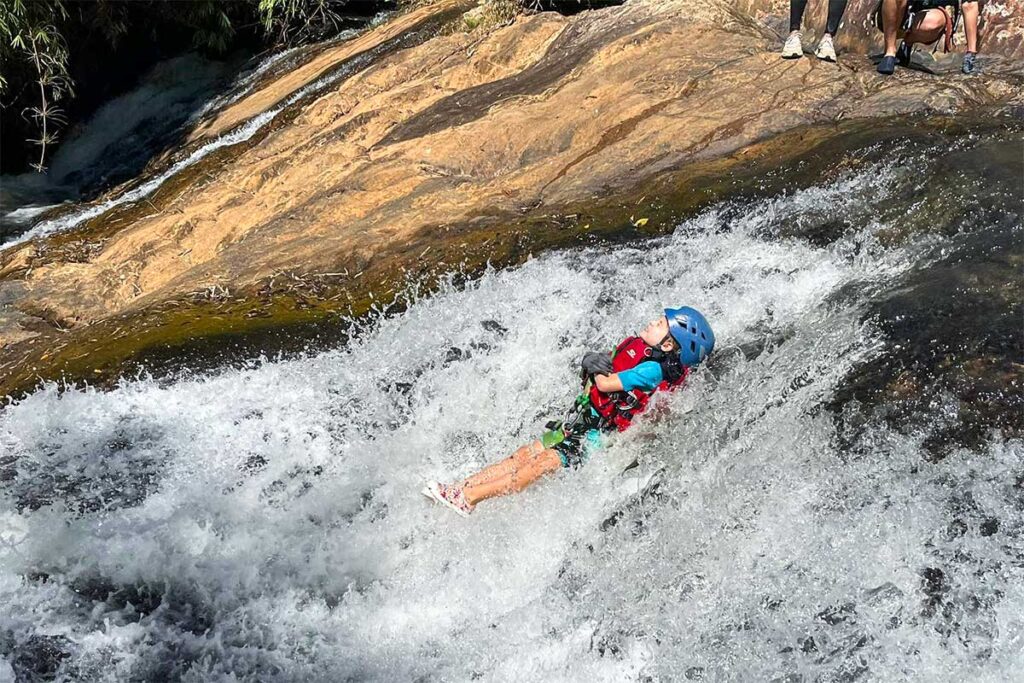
952, 20
948, 42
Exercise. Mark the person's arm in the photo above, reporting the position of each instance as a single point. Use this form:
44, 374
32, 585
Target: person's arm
608, 383
645, 376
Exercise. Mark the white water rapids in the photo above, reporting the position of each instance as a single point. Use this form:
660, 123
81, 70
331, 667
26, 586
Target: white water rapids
265, 523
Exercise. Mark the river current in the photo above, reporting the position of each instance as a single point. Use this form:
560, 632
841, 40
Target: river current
832, 498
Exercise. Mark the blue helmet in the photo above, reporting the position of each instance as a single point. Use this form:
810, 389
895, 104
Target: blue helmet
691, 331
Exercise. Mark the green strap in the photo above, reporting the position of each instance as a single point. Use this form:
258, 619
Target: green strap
555, 436
552, 438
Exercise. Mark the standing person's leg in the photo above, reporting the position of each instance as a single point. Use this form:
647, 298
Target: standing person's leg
796, 14
925, 27
836, 8
794, 47
826, 49
970, 9
893, 12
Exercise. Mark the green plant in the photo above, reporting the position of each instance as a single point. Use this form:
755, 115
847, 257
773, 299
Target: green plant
39, 39
491, 14
30, 31
295, 21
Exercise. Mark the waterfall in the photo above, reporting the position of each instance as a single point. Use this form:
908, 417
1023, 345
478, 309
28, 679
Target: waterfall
263, 521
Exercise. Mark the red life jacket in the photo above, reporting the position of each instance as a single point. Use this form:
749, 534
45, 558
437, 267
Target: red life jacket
618, 408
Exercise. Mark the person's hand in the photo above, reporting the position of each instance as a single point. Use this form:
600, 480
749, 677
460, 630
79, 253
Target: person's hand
597, 363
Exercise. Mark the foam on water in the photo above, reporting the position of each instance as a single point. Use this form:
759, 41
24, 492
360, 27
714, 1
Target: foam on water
245, 83
265, 522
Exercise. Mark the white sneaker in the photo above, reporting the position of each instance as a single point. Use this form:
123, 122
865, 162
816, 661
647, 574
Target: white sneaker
793, 47
449, 495
826, 50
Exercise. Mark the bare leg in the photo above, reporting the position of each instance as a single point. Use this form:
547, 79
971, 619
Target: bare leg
893, 12
927, 28
970, 11
513, 474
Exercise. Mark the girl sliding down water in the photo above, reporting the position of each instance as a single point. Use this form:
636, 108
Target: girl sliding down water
615, 389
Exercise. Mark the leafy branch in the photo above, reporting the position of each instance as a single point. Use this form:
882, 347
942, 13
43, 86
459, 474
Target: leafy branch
296, 21
35, 54
46, 49
29, 30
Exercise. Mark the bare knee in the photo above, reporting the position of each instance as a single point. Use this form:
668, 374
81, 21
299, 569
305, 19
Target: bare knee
927, 28
530, 463
527, 454
934, 21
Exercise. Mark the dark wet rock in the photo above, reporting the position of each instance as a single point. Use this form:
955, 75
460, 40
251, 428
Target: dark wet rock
455, 354
130, 602
990, 526
37, 658
952, 327
402, 388
837, 614
935, 587
103, 472
607, 644
494, 326
8, 468
480, 346
254, 463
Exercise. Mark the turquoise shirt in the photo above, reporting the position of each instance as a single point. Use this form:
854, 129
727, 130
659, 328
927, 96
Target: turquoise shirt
646, 376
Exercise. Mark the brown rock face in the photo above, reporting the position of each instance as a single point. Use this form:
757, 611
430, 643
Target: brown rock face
438, 143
